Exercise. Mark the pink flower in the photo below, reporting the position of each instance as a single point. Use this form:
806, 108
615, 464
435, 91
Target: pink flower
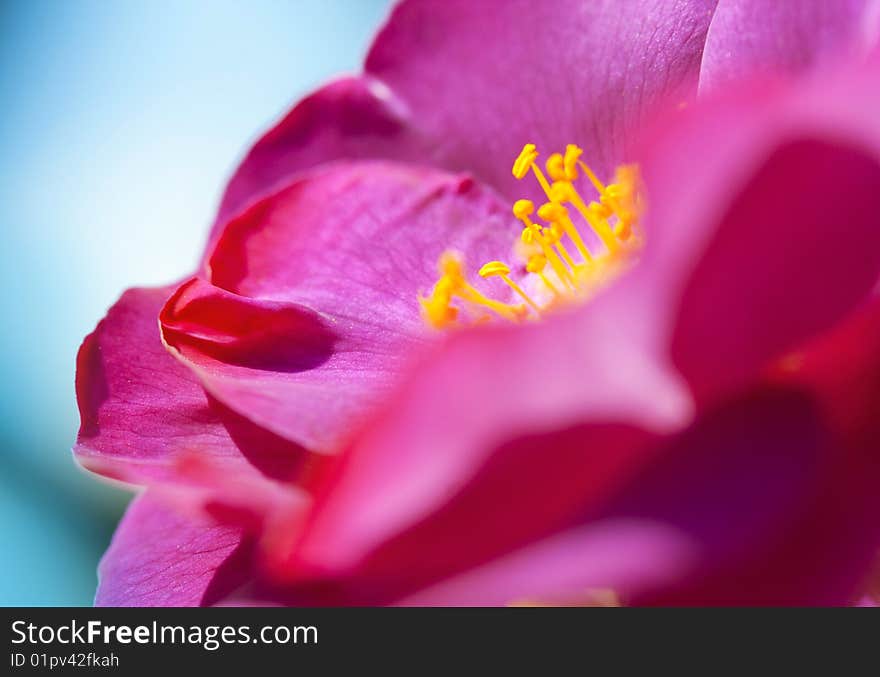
701, 429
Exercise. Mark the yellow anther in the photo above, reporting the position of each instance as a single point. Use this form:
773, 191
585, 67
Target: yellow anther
437, 311
536, 264
552, 212
500, 269
451, 267
526, 158
494, 268
532, 234
556, 167
523, 209
436, 308
569, 162
624, 198
526, 161
560, 191
601, 210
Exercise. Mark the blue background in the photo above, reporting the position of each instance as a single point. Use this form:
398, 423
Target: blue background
119, 123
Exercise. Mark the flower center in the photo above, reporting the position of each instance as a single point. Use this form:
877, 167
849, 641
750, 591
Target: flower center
561, 261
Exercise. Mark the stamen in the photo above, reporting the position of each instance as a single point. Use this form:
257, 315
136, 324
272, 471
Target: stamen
522, 209
536, 265
613, 218
572, 161
556, 167
553, 235
526, 161
555, 213
563, 191
502, 270
532, 233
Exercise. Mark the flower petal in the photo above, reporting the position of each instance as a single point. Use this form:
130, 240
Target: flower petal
749, 37
609, 361
146, 420
746, 247
595, 377
463, 85
320, 282
485, 78
826, 549
576, 567
352, 117
158, 557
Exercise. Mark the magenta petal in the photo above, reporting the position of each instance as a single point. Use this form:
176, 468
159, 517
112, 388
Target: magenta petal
777, 271
482, 78
694, 510
824, 551
465, 408
573, 567
463, 85
145, 419
321, 282
349, 118
358, 241
741, 242
161, 558
755, 36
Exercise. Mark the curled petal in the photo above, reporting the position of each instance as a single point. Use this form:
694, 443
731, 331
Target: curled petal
310, 311
145, 419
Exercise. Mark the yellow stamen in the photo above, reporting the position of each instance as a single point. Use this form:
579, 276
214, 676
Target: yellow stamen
536, 265
553, 234
553, 212
437, 308
526, 161
614, 218
563, 191
556, 167
522, 209
502, 270
532, 233
572, 161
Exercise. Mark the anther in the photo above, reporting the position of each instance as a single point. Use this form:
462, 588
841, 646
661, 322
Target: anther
555, 213
526, 158
569, 162
522, 209
502, 270
556, 167
536, 266
525, 162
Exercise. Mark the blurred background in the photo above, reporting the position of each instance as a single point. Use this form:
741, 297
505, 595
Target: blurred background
119, 123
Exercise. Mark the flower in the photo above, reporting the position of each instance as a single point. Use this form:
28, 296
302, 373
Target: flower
693, 424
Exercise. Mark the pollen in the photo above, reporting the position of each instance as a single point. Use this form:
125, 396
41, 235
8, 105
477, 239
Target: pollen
568, 248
